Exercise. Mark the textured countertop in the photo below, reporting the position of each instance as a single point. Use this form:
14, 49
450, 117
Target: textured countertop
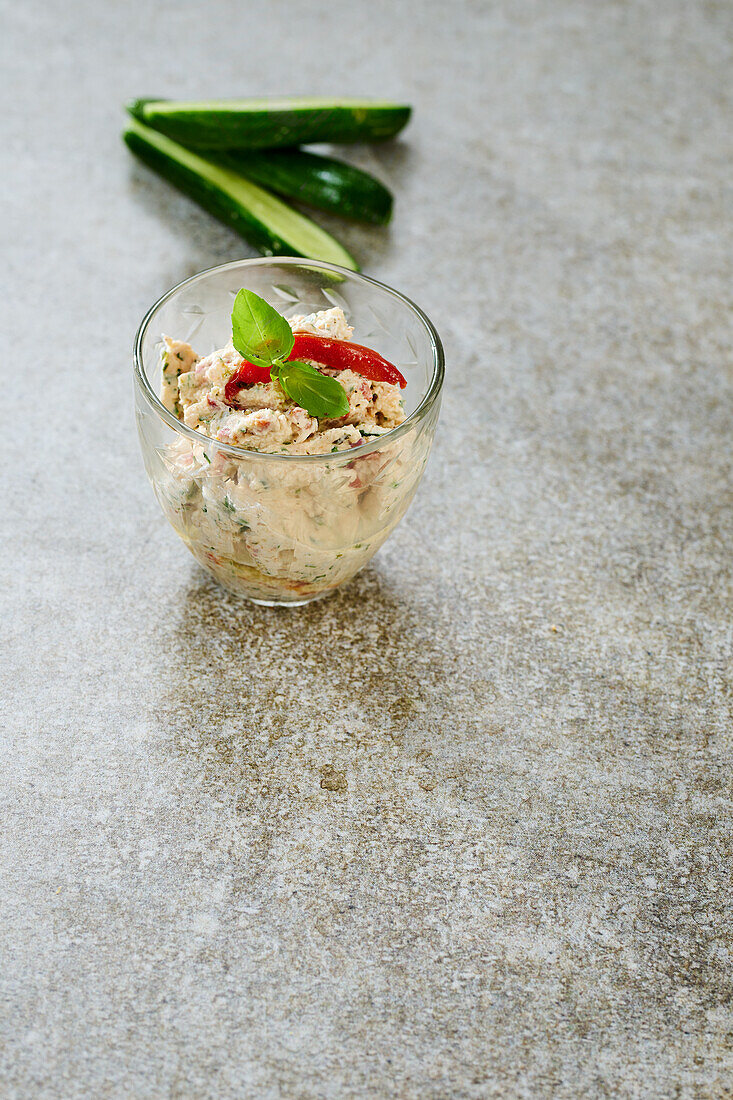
462, 830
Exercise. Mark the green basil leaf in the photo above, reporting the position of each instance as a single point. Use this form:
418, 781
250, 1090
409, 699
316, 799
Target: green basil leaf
319, 394
259, 333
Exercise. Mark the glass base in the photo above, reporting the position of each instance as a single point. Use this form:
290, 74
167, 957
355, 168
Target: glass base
281, 603
249, 584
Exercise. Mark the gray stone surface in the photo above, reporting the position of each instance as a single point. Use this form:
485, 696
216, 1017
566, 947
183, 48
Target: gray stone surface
463, 829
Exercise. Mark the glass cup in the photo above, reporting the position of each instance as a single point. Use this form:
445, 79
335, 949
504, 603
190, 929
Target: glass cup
279, 528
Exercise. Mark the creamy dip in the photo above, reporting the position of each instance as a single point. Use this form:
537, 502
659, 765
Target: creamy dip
282, 529
263, 417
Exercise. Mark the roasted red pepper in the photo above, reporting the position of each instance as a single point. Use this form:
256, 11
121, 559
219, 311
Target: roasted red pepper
246, 375
343, 355
334, 354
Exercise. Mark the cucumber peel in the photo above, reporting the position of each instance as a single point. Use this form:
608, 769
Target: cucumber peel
271, 123
322, 182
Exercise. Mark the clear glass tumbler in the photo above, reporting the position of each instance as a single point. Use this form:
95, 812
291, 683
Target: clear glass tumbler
278, 528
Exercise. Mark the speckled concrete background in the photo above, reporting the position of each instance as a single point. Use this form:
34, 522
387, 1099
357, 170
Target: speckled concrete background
462, 830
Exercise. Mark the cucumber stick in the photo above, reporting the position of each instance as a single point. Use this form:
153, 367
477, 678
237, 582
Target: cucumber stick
266, 222
323, 182
270, 123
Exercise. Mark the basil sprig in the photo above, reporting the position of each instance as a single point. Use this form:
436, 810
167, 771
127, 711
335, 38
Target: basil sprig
263, 336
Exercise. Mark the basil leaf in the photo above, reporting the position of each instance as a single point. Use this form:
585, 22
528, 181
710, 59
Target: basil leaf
259, 333
319, 394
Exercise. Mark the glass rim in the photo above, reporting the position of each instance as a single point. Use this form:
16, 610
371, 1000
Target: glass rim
429, 398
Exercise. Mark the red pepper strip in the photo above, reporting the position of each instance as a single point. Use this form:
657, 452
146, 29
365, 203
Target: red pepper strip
334, 354
343, 355
245, 375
